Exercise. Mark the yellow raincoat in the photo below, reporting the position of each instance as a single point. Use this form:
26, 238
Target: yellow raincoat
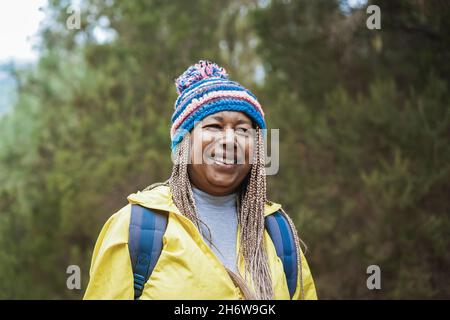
187, 267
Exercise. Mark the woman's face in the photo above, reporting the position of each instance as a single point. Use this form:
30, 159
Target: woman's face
221, 152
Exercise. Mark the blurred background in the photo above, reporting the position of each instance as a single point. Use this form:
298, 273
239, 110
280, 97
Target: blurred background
363, 114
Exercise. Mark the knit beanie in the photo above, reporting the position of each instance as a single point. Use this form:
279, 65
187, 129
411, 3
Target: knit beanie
204, 89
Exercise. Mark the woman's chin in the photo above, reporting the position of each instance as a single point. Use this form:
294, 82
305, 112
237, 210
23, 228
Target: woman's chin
223, 181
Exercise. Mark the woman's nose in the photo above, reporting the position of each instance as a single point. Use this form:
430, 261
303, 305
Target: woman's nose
229, 136
228, 144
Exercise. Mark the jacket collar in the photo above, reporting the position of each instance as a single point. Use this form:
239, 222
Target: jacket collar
160, 198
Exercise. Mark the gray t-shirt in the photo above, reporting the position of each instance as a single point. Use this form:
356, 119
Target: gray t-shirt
220, 214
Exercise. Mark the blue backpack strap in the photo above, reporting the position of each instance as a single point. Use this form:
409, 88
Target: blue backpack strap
145, 243
283, 238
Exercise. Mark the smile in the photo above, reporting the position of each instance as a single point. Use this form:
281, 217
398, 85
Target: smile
223, 163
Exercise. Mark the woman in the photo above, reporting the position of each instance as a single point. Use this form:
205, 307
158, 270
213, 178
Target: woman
213, 238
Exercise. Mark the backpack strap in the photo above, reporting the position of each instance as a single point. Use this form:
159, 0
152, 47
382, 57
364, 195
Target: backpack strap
283, 238
145, 243
146, 239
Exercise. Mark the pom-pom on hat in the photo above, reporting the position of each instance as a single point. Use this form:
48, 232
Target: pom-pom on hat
204, 89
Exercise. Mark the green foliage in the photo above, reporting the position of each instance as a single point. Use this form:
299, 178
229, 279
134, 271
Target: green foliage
365, 150
363, 118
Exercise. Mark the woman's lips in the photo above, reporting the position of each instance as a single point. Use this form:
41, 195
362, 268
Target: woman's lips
223, 164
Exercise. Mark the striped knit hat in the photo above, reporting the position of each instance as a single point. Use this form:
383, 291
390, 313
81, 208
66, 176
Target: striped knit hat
204, 89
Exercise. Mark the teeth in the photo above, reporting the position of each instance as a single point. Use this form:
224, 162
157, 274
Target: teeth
222, 161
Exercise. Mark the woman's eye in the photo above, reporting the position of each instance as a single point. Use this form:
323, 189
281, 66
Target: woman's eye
213, 126
241, 130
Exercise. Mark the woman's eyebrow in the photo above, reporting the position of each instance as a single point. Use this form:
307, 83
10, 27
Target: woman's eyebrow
244, 122
218, 118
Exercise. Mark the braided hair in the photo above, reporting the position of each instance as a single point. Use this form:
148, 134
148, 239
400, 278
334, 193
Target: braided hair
251, 201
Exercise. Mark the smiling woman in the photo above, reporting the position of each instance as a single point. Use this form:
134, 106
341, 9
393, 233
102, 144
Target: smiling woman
209, 232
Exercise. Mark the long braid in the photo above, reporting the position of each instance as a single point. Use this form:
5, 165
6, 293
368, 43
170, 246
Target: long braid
298, 243
251, 201
181, 188
251, 220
